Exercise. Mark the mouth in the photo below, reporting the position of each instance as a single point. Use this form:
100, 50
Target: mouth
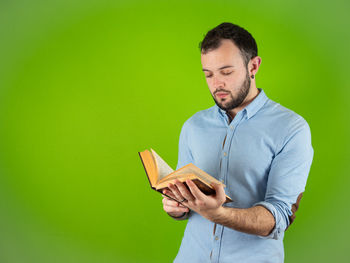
221, 94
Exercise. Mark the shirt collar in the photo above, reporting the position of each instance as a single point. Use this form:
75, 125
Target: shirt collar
252, 107
256, 104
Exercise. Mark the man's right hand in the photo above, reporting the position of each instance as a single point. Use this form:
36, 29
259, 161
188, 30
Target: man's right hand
172, 207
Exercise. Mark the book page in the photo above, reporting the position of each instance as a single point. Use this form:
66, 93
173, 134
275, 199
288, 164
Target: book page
192, 169
163, 168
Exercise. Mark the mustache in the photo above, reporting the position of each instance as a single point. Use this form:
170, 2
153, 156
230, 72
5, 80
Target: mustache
221, 90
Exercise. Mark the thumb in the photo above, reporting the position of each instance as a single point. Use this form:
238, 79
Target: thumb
219, 190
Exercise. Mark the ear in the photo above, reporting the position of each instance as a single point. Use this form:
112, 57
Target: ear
253, 66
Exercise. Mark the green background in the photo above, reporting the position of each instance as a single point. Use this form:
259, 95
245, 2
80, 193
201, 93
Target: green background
85, 85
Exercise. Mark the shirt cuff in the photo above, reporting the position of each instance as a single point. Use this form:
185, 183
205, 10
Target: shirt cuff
278, 231
184, 216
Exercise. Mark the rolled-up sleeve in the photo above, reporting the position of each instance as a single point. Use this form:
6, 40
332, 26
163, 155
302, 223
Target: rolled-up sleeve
287, 177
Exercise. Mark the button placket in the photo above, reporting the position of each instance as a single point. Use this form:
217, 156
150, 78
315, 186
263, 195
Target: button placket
218, 232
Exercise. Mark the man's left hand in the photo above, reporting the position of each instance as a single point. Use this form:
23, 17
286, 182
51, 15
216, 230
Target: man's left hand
196, 200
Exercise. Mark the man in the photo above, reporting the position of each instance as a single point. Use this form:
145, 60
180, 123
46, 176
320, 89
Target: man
260, 150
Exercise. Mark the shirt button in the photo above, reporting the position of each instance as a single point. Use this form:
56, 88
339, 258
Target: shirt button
225, 153
216, 238
231, 127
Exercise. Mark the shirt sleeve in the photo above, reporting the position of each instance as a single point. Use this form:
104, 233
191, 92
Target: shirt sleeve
184, 155
287, 177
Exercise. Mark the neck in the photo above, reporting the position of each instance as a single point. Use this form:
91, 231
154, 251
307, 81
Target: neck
253, 92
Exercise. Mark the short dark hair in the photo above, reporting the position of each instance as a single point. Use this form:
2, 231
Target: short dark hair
240, 37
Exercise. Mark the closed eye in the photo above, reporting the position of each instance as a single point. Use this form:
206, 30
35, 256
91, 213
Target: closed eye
226, 73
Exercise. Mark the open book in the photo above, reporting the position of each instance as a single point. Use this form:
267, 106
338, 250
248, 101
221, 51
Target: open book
160, 174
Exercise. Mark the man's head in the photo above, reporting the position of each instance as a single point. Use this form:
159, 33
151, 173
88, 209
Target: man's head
230, 62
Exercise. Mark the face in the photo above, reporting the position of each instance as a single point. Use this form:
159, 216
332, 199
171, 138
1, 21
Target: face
226, 74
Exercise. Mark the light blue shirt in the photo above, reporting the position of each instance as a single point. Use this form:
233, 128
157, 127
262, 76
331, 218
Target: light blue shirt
263, 156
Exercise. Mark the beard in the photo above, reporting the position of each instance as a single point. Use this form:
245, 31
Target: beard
230, 102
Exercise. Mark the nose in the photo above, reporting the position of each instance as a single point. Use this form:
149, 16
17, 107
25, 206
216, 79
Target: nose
217, 82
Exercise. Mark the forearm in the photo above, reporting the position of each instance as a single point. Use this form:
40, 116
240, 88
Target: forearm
256, 220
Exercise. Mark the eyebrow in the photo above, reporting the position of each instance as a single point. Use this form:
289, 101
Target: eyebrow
227, 66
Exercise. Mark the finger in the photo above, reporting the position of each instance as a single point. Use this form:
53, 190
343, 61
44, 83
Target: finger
175, 209
170, 202
175, 191
184, 191
173, 202
197, 193
173, 198
169, 193
219, 191
170, 207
